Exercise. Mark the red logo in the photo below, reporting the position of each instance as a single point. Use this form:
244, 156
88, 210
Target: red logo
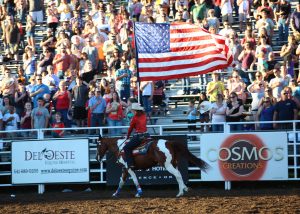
243, 157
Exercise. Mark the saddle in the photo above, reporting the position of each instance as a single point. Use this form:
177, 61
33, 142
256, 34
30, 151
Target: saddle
142, 149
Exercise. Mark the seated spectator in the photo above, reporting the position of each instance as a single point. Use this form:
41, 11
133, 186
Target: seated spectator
11, 121
218, 113
57, 124
234, 112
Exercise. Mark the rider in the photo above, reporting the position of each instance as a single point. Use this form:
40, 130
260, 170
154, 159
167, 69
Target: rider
139, 123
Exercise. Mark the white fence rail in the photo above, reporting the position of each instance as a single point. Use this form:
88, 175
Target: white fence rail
98, 170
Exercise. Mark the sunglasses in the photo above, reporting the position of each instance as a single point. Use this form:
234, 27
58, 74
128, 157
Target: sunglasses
232, 97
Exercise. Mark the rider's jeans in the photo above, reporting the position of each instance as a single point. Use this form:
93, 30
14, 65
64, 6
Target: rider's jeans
134, 142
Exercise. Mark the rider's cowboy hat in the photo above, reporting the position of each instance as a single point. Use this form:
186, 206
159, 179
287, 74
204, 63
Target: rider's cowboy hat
136, 106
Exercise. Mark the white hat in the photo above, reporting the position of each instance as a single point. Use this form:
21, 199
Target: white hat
136, 106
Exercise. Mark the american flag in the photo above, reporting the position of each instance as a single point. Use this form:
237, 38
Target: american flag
177, 50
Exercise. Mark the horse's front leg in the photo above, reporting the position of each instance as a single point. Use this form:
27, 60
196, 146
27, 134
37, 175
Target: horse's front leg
122, 182
139, 191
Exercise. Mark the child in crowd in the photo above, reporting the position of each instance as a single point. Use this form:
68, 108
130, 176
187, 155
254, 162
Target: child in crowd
58, 124
11, 121
192, 116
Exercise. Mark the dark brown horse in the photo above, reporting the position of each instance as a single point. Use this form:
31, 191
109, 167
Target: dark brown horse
161, 152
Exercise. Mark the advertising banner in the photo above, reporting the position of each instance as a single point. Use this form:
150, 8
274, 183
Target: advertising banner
50, 161
156, 175
235, 157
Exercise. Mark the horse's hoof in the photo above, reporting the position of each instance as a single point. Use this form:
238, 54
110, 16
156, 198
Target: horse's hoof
179, 194
115, 195
139, 194
186, 189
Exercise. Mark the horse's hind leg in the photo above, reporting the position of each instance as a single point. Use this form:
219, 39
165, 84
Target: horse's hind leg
121, 183
176, 173
139, 191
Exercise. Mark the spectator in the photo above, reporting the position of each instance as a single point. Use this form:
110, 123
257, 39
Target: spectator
204, 111
123, 76
262, 53
234, 112
62, 62
29, 62
77, 45
198, 10
30, 30
284, 13
97, 105
25, 122
147, 88
92, 53
218, 113
40, 115
285, 109
288, 53
79, 94
277, 84
11, 121
38, 91
49, 40
21, 98
51, 80
65, 11
212, 20
36, 8
192, 116
5, 105
88, 72
115, 113
214, 87
265, 113
52, 16
58, 124
247, 57
12, 37
236, 84
9, 84
244, 8
158, 96
46, 61
227, 30
226, 10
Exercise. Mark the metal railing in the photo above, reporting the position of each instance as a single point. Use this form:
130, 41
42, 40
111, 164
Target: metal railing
98, 171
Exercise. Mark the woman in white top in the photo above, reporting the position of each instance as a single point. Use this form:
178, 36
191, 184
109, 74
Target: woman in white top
218, 113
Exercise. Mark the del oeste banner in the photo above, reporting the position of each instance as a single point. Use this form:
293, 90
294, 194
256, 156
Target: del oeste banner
50, 161
234, 157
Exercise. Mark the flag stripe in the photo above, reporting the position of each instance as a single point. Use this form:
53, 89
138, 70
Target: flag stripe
191, 51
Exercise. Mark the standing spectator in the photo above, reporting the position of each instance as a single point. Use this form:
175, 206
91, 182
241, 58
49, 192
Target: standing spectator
36, 8
12, 37
45, 61
265, 22
226, 10
247, 57
58, 124
265, 113
38, 91
97, 105
285, 109
40, 115
284, 13
212, 20
80, 96
115, 113
51, 80
214, 87
236, 84
30, 30
88, 72
218, 113
52, 16
21, 7
123, 76
288, 53
92, 53
11, 121
147, 88
277, 84
8, 85
198, 11
29, 62
204, 111
227, 30
62, 62
65, 11
49, 40
192, 116
21, 98
158, 96
63, 102
257, 90
244, 8
234, 112
25, 122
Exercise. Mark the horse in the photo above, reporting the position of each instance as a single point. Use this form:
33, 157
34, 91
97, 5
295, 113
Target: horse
165, 153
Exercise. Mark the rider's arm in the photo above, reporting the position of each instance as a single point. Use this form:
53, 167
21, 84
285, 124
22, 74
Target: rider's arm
132, 123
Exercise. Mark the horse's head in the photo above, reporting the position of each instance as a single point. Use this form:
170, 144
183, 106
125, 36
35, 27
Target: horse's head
102, 148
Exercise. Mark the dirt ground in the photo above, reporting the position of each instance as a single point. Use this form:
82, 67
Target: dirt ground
159, 200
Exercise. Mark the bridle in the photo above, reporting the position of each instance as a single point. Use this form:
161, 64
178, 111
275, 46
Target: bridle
107, 158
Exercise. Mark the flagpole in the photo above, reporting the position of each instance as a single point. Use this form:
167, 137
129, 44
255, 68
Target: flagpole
137, 65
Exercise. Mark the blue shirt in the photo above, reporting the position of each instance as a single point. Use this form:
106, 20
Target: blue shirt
100, 108
41, 94
124, 80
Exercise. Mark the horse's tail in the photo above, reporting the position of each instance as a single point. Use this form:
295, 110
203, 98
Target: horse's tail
184, 151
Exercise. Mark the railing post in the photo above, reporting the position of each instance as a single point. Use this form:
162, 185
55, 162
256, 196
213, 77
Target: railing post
40, 136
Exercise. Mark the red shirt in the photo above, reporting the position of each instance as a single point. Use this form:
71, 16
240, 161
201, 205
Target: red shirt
139, 123
58, 125
62, 101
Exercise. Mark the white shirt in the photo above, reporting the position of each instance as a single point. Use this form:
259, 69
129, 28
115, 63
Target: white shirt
13, 124
218, 118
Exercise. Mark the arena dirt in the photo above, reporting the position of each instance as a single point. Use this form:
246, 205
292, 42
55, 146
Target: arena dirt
161, 200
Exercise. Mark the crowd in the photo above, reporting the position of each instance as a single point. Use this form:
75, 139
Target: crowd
83, 72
